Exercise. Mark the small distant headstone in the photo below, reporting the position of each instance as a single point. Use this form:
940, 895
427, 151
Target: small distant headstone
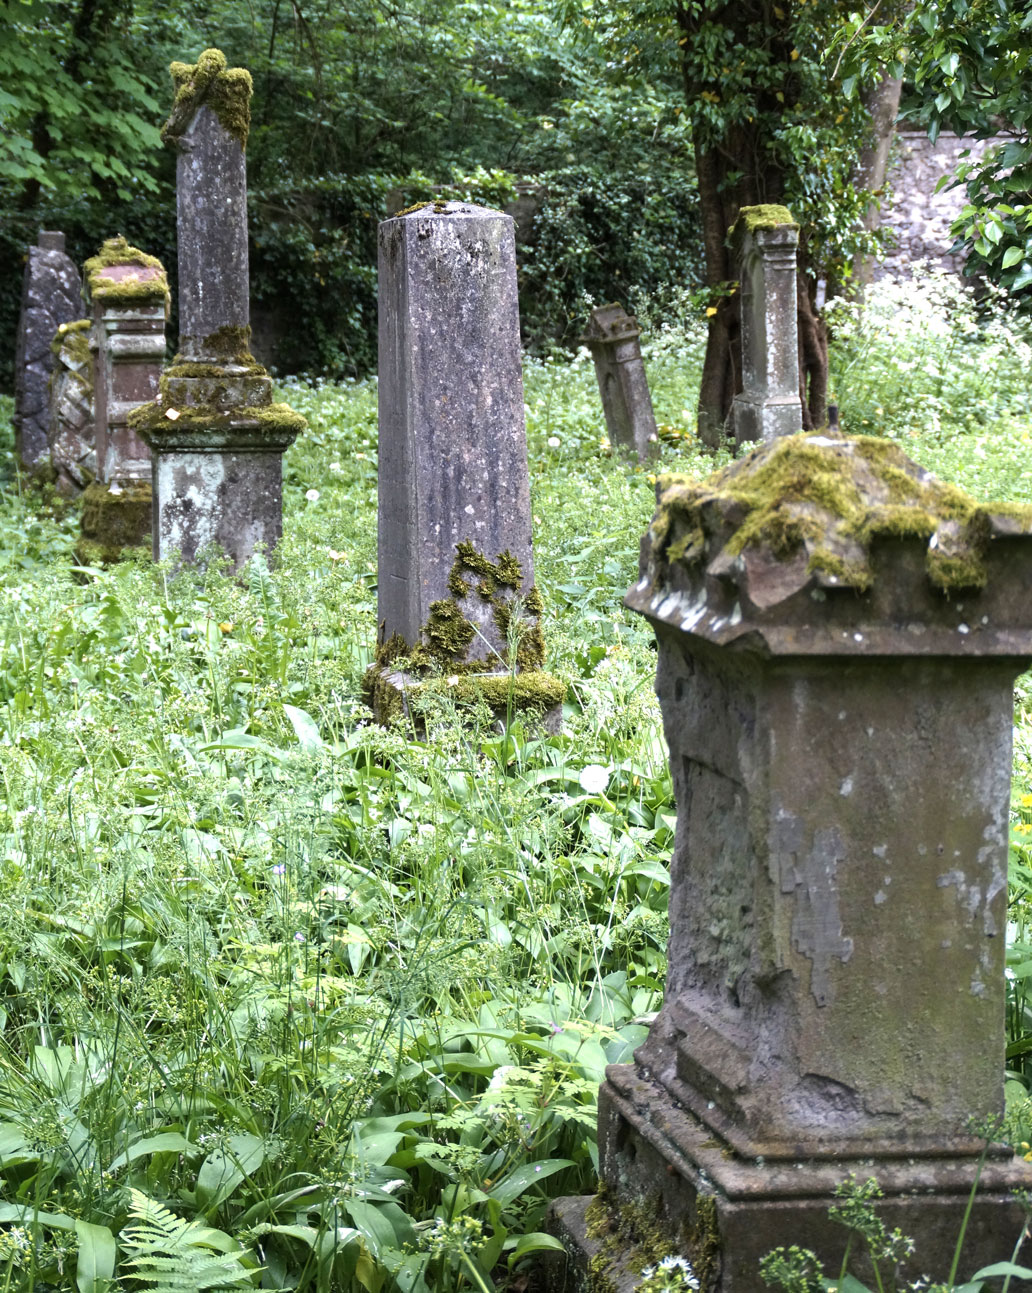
216, 436
70, 429
128, 294
839, 634
456, 561
765, 240
50, 296
612, 337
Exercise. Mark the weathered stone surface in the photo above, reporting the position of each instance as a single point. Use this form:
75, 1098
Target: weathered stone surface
453, 450
50, 297
70, 433
456, 565
765, 239
838, 638
216, 436
612, 337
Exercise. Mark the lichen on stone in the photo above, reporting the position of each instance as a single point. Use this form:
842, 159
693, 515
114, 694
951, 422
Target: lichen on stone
210, 83
832, 499
769, 215
116, 522
129, 291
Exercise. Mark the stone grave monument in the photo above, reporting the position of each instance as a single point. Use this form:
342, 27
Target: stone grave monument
838, 637
50, 297
127, 291
70, 427
612, 337
765, 239
456, 594
216, 437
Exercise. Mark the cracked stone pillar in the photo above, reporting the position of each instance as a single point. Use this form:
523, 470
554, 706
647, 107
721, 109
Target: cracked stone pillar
70, 430
765, 240
128, 294
612, 337
216, 437
838, 637
456, 561
50, 297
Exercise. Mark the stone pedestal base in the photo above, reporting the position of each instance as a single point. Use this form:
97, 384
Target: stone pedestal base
766, 418
672, 1186
116, 522
232, 498
391, 694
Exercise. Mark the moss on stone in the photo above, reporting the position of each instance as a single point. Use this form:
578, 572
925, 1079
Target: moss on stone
210, 83
447, 631
116, 519
768, 215
832, 498
227, 345
126, 291
275, 422
73, 338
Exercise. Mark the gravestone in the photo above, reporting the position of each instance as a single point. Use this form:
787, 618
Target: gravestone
456, 561
765, 239
70, 426
612, 337
838, 638
128, 294
50, 297
216, 436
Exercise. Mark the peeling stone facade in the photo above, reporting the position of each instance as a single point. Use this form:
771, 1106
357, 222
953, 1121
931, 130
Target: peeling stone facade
838, 707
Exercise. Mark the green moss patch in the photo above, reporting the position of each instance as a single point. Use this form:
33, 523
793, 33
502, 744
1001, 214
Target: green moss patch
831, 498
116, 521
129, 291
768, 215
210, 83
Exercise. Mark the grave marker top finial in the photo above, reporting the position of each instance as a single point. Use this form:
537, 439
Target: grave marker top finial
210, 83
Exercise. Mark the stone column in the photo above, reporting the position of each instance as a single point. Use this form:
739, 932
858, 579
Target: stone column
70, 431
50, 297
128, 294
838, 637
765, 240
456, 561
612, 337
216, 436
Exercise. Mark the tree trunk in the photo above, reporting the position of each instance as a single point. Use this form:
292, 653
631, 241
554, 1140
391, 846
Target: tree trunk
882, 101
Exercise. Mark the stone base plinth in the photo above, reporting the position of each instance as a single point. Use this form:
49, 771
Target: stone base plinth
116, 522
766, 418
672, 1186
232, 498
391, 693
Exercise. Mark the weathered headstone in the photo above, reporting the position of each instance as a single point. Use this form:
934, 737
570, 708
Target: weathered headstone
612, 337
216, 436
128, 294
70, 427
50, 297
838, 637
765, 240
456, 562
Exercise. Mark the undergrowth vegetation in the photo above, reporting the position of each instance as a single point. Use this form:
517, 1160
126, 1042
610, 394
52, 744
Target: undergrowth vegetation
288, 1000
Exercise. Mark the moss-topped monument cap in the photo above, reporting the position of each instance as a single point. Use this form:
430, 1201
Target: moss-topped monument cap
766, 217
210, 83
817, 544
121, 275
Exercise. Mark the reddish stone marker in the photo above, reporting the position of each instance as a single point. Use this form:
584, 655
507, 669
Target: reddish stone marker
839, 635
216, 436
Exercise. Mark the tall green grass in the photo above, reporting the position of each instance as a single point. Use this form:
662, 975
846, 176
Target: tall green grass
296, 1002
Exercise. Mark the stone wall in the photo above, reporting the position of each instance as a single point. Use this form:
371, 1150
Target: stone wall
919, 216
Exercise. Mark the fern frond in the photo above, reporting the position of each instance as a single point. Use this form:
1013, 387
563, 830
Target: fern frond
166, 1254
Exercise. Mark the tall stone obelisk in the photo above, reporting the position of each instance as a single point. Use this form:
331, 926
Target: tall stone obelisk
216, 436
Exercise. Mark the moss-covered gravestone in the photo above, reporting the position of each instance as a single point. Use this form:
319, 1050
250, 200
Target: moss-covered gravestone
765, 239
612, 337
838, 637
50, 297
70, 433
216, 435
456, 591
127, 291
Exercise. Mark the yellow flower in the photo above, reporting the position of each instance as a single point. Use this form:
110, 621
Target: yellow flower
1026, 801
794, 55
710, 311
226, 626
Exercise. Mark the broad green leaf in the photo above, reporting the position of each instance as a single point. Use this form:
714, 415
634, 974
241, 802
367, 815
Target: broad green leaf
305, 728
1012, 255
1003, 1268
524, 1176
536, 1242
164, 1142
224, 1169
97, 1252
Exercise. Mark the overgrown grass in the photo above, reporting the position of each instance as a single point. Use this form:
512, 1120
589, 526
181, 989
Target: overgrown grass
340, 997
